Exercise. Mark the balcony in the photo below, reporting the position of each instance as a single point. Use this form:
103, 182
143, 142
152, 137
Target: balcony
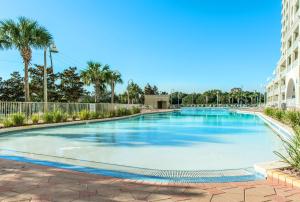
282, 88
291, 102
276, 91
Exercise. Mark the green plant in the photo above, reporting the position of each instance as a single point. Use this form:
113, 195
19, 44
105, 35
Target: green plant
48, 117
292, 149
292, 118
269, 111
35, 118
279, 114
7, 122
135, 110
94, 115
58, 116
84, 115
74, 116
112, 113
18, 119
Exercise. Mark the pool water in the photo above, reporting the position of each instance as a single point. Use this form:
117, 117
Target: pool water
190, 139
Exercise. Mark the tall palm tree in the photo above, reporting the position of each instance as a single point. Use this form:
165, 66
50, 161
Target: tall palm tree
24, 35
113, 78
94, 74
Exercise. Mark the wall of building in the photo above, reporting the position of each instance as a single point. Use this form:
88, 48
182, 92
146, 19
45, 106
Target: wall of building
152, 100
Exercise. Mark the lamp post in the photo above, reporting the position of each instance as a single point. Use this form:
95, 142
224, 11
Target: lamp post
52, 49
217, 98
128, 100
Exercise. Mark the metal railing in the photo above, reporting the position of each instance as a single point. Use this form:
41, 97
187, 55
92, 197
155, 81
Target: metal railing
29, 108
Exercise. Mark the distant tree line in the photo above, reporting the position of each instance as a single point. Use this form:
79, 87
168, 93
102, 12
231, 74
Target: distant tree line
234, 96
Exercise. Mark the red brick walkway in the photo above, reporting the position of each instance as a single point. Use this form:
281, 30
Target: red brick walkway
28, 182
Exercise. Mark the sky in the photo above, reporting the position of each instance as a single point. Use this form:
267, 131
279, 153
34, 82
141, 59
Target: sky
186, 45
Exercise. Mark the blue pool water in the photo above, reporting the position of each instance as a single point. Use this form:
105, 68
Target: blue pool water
188, 140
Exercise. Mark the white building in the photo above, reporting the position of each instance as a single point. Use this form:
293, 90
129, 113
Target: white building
284, 88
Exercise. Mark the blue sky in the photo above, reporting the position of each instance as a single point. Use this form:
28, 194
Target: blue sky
188, 45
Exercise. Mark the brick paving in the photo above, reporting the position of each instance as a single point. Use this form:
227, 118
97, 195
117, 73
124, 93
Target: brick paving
28, 182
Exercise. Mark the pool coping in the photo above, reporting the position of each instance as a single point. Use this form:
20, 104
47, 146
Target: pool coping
4, 131
281, 130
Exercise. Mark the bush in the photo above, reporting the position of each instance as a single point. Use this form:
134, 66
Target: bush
35, 118
84, 115
292, 118
58, 116
135, 110
279, 114
94, 115
48, 117
74, 116
269, 111
18, 119
112, 114
8, 122
292, 148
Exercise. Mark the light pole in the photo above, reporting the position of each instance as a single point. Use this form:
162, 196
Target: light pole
128, 100
178, 99
217, 98
52, 49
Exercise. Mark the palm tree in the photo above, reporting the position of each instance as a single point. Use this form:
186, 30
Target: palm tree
24, 35
113, 78
95, 75
134, 92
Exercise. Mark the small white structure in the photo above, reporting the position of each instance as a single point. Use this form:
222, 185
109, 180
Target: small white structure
157, 101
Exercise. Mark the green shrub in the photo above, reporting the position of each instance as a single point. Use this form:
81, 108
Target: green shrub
48, 117
18, 119
292, 118
292, 148
7, 122
58, 116
269, 111
94, 115
135, 110
84, 115
279, 114
112, 113
74, 116
35, 118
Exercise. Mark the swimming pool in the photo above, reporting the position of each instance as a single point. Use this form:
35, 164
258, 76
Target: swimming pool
191, 143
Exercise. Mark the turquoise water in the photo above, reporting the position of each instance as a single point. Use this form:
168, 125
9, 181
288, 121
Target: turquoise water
191, 139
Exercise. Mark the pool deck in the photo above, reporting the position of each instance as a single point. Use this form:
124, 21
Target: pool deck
28, 182
21, 181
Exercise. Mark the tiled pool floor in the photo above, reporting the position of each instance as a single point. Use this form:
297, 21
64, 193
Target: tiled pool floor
28, 182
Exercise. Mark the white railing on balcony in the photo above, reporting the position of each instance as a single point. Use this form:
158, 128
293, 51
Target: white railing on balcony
276, 91
282, 88
29, 108
291, 102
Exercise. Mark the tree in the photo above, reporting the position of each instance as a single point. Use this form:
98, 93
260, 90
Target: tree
71, 86
24, 35
113, 78
12, 88
36, 75
95, 75
135, 93
149, 90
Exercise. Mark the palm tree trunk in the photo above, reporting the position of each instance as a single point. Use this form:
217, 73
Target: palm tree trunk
112, 92
26, 55
97, 89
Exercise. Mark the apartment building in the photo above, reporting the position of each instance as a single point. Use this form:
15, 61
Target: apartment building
284, 89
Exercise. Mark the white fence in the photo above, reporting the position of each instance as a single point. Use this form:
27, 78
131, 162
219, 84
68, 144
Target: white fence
29, 108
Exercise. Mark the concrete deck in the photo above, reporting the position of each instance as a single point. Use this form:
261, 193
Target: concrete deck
28, 182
